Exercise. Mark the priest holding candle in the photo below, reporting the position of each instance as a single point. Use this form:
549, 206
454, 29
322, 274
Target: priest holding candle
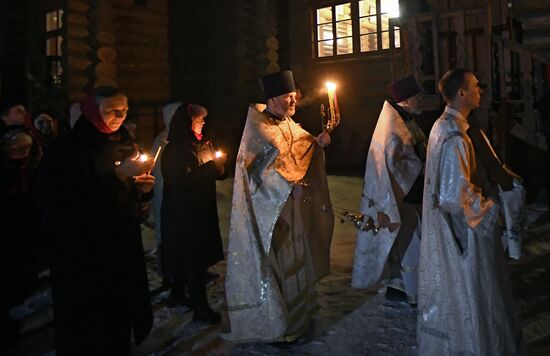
191, 240
281, 221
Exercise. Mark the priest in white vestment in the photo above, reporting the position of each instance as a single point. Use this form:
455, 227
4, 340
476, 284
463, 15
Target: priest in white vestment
465, 304
281, 221
392, 191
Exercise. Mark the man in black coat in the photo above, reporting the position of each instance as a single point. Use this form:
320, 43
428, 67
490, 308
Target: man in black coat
91, 187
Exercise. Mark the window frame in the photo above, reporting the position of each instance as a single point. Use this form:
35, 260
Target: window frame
393, 25
60, 48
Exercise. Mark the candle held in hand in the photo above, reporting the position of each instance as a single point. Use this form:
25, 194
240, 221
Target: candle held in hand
143, 157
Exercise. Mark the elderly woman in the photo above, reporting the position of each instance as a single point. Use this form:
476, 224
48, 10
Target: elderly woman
191, 239
91, 187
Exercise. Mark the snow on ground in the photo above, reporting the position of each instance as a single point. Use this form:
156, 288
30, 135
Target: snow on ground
349, 322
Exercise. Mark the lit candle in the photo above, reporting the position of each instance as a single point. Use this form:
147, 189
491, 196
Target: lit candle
143, 157
157, 154
336, 108
218, 154
331, 91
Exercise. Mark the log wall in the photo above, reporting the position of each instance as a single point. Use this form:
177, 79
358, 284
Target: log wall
13, 34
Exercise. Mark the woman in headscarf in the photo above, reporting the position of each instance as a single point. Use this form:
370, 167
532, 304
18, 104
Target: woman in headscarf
43, 126
91, 185
160, 143
191, 240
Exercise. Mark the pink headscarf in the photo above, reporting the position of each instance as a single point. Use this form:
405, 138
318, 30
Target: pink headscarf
90, 111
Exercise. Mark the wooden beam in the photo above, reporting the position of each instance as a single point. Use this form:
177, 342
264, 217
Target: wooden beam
460, 40
435, 34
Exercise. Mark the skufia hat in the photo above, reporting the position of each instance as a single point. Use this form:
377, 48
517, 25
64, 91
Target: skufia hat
276, 84
403, 89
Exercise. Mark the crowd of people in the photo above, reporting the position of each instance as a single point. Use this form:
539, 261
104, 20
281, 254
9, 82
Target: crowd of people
433, 239
24, 139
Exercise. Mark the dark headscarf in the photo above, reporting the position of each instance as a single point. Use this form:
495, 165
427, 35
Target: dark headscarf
180, 127
42, 139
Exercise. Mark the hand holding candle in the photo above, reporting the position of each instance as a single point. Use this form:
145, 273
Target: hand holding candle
144, 182
135, 166
323, 139
219, 160
220, 156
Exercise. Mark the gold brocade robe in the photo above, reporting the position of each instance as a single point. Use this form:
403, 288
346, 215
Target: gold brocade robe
278, 244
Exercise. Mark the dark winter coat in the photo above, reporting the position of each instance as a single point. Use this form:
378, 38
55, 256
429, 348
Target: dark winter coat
92, 223
190, 230
20, 233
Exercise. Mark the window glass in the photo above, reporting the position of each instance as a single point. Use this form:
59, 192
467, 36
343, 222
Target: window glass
343, 12
369, 42
324, 15
367, 25
54, 46
343, 29
345, 45
324, 32
367, 8
326, 48
54, 20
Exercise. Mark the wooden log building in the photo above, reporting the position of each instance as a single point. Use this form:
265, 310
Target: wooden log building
213, 52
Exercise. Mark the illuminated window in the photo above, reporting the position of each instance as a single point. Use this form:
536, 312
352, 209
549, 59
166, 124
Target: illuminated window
325, 32
335, 27
54, 20
54, 45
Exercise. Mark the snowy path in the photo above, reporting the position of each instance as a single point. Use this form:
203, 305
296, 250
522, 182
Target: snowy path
349, 322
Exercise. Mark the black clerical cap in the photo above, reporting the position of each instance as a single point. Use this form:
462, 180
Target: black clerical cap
276, 84
403, 89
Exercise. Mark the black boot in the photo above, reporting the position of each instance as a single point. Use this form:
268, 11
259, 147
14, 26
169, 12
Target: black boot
207, 315
178, 298
199, 301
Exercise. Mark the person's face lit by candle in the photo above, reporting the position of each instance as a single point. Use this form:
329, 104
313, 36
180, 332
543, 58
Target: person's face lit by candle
197, 123
45, 124
113, 111
283, 105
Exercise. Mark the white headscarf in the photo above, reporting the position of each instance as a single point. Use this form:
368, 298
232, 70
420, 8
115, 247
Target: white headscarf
168, 112
74, 114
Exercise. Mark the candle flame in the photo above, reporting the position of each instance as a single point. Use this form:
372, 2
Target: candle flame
218, 154
143, 157
331, 86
